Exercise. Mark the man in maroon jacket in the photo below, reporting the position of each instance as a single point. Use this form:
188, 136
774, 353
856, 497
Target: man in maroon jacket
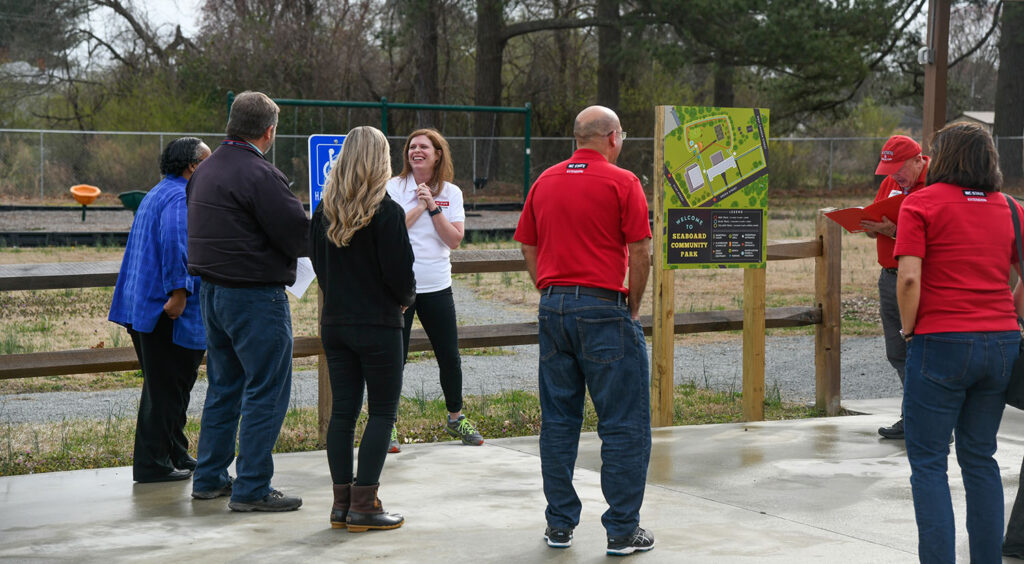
245, 231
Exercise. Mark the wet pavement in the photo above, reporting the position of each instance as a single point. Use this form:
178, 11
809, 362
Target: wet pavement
813, 490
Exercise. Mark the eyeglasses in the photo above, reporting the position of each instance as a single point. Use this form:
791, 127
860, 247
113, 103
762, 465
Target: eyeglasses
622, 134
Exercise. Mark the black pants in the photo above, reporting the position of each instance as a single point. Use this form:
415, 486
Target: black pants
436, 311
1013, 543
168, 374
358, 356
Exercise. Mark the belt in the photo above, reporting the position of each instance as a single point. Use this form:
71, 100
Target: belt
890, 270
585, 291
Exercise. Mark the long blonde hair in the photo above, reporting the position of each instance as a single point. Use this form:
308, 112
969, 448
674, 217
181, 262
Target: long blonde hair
355, 186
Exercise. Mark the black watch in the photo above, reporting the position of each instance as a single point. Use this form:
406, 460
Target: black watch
434, 211
906, 336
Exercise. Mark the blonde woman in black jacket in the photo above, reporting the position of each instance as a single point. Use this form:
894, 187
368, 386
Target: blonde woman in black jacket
363, 262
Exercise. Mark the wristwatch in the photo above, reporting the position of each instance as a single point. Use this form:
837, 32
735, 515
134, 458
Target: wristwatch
434, 211
906, 336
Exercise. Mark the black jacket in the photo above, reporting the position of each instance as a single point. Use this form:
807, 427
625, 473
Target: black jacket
245, 227
367, 282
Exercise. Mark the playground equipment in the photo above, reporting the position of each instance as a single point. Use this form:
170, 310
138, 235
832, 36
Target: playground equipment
85, 194
132, 199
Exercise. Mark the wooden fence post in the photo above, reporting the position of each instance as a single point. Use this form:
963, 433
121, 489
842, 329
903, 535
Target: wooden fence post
827, 295
663, 318
754, 281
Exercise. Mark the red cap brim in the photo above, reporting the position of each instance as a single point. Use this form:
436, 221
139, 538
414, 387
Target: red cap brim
886, 169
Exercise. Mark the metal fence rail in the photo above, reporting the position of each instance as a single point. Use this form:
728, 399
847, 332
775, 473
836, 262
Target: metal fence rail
43, 163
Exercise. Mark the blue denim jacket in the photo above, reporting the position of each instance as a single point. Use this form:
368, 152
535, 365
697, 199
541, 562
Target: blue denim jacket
155, 263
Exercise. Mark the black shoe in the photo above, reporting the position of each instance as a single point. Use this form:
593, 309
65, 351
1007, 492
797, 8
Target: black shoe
1013, 551
273, 501
558, 537
638, 540
173, 476
893, 432
187, 463
222, 491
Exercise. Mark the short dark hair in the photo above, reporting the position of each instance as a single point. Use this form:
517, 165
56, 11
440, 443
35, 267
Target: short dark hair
965, 155
251, 114
179, 154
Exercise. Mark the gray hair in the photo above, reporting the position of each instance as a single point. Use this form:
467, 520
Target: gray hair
251, 114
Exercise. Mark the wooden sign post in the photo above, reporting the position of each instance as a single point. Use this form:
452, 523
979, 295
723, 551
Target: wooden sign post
710, 212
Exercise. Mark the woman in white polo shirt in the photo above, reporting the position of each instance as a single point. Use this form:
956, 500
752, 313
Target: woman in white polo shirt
436, 220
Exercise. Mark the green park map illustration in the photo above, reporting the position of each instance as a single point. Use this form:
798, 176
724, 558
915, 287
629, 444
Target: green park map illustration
716, 156
715, 171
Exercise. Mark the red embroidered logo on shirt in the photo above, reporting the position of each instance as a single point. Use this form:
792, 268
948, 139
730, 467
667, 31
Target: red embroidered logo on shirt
442, 203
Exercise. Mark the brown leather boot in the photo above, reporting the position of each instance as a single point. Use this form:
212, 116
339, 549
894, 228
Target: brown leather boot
366, 511
340, 508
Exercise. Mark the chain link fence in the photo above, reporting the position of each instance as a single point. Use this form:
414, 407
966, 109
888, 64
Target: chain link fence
43, 164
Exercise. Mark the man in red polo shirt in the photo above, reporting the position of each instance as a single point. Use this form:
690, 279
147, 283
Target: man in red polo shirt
905, 169
584, 222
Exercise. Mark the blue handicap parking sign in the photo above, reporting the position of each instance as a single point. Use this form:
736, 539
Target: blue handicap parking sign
324, 151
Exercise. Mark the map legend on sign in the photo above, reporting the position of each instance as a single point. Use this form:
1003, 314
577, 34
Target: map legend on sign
701, 236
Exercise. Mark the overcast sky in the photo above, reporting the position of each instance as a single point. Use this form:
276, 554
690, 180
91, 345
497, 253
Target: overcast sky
174, 12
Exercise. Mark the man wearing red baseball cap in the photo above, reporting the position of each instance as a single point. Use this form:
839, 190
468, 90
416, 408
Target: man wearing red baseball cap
905, 169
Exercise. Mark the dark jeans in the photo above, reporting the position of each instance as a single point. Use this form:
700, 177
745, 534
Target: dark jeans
436, 311
957, 381
168, 374
590, 343
249, 369
889, 310
358, 356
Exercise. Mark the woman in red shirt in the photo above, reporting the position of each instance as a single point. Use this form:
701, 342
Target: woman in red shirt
955, 245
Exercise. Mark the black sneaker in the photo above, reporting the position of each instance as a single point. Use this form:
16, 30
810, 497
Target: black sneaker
273, 501
893, 432
558, 537
222, 491
638, 540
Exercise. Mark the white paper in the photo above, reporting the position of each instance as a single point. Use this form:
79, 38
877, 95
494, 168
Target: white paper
304, 276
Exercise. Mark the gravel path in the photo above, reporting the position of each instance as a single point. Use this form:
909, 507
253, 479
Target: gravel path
789, 367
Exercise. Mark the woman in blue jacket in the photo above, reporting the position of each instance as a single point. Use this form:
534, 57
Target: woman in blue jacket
156, 299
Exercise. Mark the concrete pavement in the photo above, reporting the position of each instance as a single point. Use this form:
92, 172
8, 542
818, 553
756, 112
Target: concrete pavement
815, 490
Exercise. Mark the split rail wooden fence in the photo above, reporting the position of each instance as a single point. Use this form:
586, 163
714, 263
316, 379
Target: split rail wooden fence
824, 313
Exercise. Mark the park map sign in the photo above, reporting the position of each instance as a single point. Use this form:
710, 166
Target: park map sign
715, 170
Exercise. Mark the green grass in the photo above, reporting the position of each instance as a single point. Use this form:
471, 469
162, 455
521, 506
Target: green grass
77, 444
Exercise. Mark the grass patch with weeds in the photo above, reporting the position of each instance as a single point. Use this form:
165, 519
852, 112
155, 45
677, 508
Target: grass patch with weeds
75, 444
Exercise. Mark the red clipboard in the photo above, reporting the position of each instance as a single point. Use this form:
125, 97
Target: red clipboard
850, 218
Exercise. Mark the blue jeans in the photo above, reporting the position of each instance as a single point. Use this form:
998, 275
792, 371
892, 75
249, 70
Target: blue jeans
249, 370
957, 381
590, 343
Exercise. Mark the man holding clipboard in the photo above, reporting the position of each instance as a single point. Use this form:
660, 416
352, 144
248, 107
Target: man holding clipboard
905, 169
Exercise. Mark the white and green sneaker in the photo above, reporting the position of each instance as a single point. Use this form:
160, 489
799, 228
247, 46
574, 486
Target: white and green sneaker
461, 428
394, 445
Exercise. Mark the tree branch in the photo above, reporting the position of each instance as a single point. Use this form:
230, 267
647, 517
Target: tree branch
984, 39
107, 46
140, 30
523, 28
